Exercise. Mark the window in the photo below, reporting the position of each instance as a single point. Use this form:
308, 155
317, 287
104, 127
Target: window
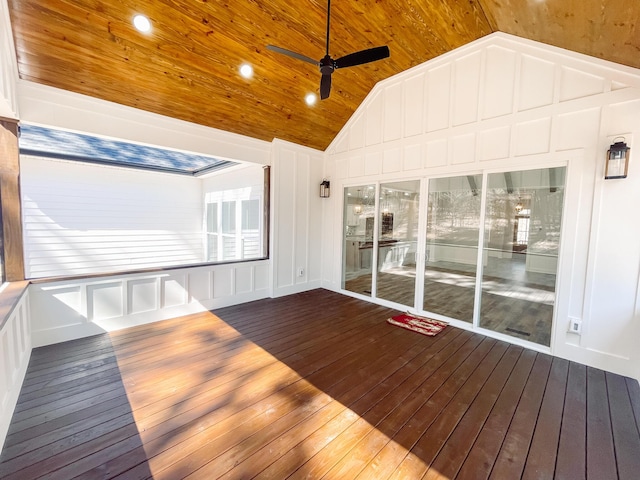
234, 230
81, 218
212, 230
228, 217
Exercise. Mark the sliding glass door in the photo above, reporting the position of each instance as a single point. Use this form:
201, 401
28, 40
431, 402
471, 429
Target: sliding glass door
359, 218
398, 241
453, 227
521, 240
488, 247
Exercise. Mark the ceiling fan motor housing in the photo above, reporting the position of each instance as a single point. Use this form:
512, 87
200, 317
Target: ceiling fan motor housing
327, 65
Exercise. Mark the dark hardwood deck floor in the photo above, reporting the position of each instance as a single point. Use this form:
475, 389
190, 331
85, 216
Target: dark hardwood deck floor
315, 385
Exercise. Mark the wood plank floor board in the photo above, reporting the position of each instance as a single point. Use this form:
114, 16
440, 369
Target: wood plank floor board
322, 462
601, 457
42, 446
319, 440
49, 450
541, 460
93, 466
458, 445
324, 379
56, 413
133, 335
425, 450
30, 392
365, 451
571, 457
76, 453
84, 411
42, 355
87, 381
515, 447
78, 394
395, 371
479, 461
255, 366
413, 419
625, 433
154, 388
174, 437
633, 389
314, 385
221, 331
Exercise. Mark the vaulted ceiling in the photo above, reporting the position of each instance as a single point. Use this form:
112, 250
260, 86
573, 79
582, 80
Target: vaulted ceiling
187, 66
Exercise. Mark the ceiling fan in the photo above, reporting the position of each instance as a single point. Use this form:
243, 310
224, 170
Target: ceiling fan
327, 64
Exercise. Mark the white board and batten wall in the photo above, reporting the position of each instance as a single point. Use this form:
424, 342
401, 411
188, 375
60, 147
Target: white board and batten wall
297, 211
503, 103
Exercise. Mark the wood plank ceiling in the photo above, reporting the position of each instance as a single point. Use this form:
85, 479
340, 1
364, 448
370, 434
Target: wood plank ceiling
187, 67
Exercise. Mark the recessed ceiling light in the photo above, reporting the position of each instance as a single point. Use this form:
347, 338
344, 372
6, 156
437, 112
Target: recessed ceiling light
310, 99
142, 23
246, 70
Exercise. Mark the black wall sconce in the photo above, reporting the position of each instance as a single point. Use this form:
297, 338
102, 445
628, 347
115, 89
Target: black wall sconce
325, 189
617, 160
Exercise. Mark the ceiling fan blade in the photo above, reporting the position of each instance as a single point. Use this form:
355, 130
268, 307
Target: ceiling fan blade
289, 53
363, 56
325, 86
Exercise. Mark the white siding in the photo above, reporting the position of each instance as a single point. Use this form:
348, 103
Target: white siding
82, 218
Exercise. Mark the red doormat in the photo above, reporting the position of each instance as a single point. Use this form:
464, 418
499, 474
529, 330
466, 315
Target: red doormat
424, 325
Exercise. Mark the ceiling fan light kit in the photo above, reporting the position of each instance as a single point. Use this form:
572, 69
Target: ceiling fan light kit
328, 65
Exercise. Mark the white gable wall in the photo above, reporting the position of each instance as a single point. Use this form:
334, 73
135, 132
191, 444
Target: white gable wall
504, 103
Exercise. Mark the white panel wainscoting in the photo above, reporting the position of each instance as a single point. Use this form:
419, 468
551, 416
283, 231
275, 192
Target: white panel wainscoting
69, 309
15, 351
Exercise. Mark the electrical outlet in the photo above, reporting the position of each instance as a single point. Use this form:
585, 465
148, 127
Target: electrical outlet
575, 325
300, 272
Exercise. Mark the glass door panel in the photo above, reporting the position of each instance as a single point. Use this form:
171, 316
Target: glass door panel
453, 230
359, 215
521, 239
397, 241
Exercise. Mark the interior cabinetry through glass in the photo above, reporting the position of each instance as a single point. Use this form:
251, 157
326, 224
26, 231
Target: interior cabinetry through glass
398, 241
359, 219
